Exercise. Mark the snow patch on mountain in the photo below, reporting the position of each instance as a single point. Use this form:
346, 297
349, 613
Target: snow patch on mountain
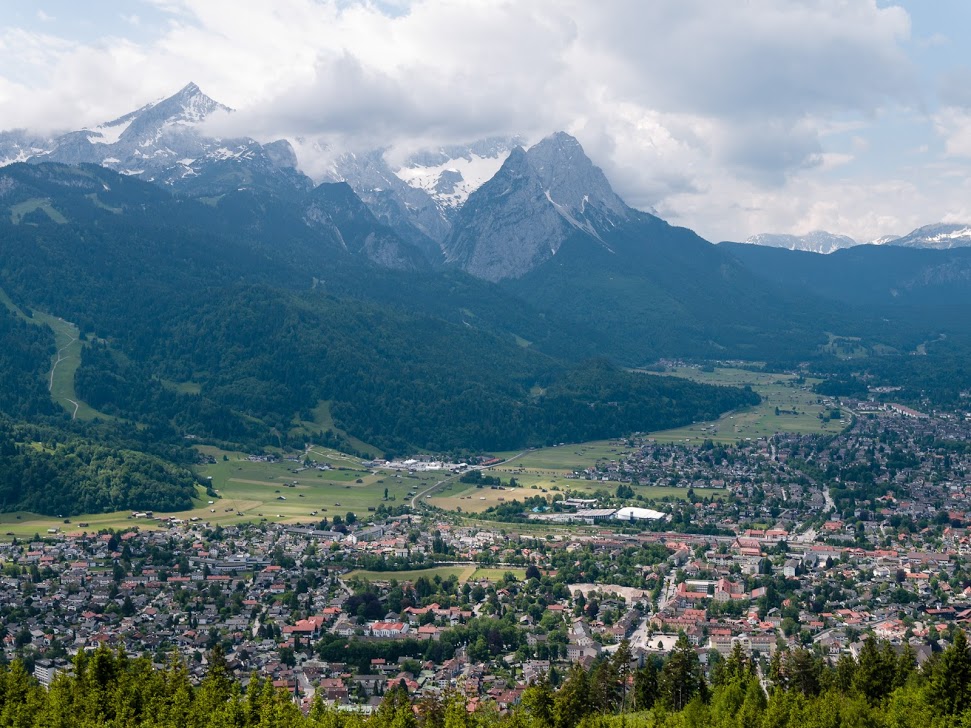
163, 142
110, 132
451, 182
817, 241
940, 236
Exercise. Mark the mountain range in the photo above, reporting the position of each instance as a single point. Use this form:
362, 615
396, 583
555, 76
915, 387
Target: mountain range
485, 296
421, 199
541, 221
817, 241
939, 236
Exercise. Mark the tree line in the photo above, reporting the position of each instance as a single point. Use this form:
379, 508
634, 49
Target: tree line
883, 688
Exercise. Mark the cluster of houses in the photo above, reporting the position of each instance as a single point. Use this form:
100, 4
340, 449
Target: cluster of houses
778, 559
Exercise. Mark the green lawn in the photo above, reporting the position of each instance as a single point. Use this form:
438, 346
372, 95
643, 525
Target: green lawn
462, 572
498, 573
26, 207
799, 408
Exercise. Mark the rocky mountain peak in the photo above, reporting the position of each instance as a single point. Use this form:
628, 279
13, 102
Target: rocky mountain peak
162, 142
572, 180
183, 109
536, 201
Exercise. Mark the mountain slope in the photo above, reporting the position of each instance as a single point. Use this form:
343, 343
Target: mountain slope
170, 290
869, 275
655, 290
521, 217
360, 231
161, 142
941, 236
408, 210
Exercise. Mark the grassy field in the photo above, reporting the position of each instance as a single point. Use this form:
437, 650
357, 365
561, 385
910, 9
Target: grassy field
798, 406
464, 573
64, 363
498, 574
26, 207
251, 491
256, 488
465, 498
323, 421
567, 458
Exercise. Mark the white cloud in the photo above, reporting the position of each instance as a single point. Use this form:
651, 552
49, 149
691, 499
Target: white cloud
953, 124
724, 116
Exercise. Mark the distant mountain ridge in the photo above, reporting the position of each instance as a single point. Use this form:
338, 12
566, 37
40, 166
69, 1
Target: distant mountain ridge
939, 236
868, 275
817, 241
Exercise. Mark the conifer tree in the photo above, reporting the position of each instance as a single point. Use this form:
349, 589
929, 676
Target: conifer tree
572, 700
949, 689
682, 678
537, 702
646, 686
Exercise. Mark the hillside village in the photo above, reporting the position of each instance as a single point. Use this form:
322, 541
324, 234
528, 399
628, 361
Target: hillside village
779, 543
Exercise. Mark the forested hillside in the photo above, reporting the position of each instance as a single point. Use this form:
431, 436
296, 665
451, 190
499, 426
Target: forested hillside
25, 352
232, 319
238, 319
45, 470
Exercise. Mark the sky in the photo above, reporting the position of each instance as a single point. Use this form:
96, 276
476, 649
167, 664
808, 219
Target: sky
731, 118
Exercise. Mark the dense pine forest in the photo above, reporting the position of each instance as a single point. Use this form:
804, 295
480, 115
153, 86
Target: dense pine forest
49, 471
882, 688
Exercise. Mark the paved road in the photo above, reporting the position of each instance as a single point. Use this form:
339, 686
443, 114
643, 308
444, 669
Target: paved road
830, 503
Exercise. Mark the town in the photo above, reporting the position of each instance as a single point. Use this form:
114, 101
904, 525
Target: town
769, 545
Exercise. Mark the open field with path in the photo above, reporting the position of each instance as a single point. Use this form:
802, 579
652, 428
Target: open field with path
799, 408
252, 491
285, 492
64, 362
